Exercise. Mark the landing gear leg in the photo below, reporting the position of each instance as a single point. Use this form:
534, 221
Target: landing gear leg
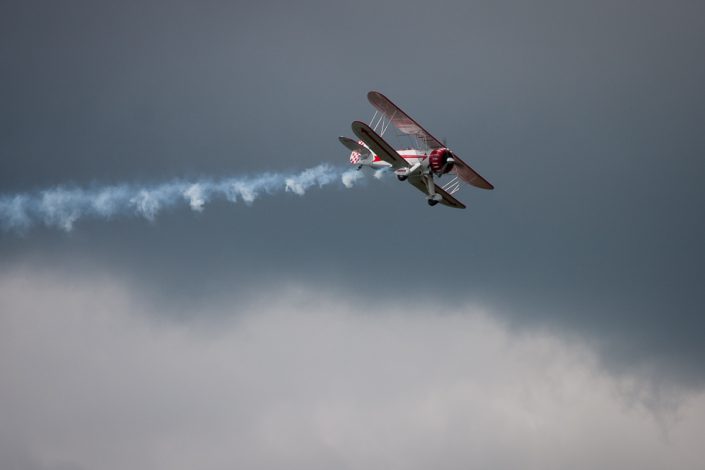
433, 197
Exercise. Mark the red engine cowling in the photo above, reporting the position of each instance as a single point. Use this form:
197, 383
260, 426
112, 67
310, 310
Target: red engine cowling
439, 161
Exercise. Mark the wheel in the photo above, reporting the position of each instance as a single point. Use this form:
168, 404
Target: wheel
402, 177
431, 202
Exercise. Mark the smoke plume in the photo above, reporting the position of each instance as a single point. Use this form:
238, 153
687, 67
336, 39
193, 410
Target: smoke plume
62, 207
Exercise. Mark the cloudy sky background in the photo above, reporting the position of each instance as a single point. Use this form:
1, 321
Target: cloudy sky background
557, 322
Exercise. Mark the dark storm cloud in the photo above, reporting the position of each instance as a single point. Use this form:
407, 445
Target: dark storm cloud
587, 116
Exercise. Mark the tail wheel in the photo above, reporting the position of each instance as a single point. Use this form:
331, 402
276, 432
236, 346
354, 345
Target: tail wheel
431, 202
402, 177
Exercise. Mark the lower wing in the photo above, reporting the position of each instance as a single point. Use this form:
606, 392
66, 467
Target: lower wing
378, 145
448, 200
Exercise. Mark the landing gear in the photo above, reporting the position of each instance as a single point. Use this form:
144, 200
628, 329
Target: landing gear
433, 197
402, 177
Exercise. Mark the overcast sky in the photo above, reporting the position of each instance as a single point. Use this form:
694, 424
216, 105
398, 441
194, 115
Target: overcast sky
357, 328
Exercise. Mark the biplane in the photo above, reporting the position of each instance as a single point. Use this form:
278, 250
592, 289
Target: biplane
428, 159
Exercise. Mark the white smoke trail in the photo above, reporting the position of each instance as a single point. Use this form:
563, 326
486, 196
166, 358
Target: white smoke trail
381, 173
350, 177
62, 207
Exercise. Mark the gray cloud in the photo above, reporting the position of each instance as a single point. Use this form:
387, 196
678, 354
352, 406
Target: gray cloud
587, 116
91, 377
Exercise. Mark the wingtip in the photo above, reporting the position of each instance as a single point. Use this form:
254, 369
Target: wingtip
484, 185
372, 95
358, 125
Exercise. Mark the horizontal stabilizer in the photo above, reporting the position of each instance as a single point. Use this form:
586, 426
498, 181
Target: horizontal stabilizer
354, 146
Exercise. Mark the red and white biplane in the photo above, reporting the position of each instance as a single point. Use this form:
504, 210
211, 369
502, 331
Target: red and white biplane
430, 158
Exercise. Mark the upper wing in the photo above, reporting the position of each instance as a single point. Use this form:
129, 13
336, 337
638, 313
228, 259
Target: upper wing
447, 200
467, 174
401, 120
378, 145
405, 124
